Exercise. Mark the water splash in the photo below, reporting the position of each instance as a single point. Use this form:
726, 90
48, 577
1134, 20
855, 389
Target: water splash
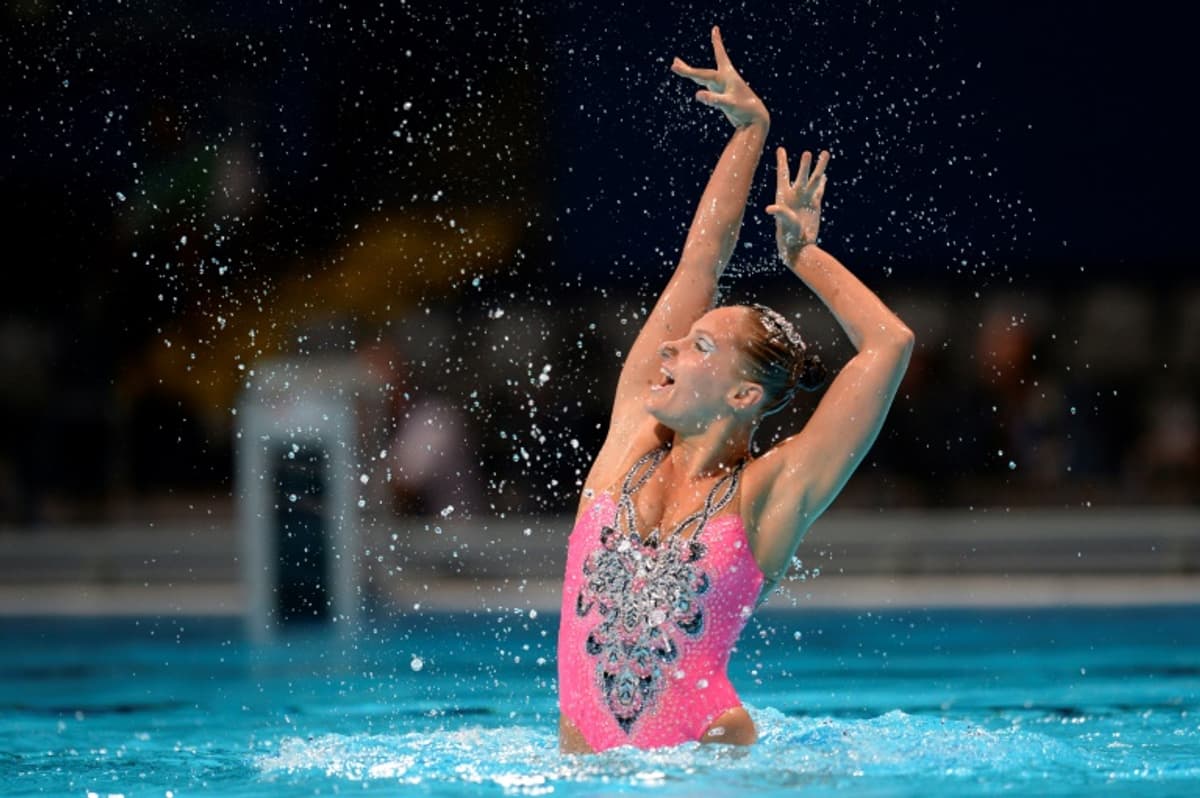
890, 751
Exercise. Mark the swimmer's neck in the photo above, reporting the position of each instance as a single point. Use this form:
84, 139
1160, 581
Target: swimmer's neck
714, 451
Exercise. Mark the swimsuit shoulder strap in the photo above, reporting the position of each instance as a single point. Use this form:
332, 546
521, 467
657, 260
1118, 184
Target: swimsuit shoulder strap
638, 476
721, 493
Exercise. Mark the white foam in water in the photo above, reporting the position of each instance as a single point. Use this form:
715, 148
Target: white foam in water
833, 753
515, 759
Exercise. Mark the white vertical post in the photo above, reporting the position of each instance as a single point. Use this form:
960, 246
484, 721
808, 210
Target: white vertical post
309, 407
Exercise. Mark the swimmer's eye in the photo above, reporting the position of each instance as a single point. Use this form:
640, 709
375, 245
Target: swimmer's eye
704, 346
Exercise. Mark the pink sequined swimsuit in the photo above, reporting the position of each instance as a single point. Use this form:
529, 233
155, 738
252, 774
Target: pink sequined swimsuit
647, 627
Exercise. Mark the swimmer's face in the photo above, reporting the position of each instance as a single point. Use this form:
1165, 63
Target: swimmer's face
703, 373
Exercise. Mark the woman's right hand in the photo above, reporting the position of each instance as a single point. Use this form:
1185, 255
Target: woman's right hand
797, 206
724, 88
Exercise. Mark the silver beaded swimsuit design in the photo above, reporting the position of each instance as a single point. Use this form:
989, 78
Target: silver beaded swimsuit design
649, 596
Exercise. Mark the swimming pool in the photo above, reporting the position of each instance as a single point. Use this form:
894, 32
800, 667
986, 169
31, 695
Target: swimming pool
1052, 702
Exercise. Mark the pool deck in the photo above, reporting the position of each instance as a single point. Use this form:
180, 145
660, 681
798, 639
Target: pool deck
901, 559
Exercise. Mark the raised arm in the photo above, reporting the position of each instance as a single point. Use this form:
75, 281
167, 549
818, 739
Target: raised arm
710, 240
803, 474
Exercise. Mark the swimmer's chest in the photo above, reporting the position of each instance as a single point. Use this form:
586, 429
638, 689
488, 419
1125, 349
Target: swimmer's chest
663, 505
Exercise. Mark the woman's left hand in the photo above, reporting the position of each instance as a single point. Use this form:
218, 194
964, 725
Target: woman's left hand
724, 88
797, 206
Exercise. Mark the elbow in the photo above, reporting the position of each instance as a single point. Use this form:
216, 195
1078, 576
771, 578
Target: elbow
895, 337
894, 343
904, 344
888, 336
907, 339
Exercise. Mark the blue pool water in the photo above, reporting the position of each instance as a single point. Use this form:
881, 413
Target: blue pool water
1047, 702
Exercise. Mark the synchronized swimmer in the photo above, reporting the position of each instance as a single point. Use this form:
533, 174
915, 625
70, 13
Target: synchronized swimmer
681, 534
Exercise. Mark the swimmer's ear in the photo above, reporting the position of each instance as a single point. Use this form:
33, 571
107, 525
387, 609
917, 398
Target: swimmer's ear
745, 395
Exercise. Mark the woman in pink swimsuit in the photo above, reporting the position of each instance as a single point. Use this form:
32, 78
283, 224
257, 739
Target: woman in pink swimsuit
680, 533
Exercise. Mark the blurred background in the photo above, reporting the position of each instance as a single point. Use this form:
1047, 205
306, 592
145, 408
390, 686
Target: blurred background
229, 222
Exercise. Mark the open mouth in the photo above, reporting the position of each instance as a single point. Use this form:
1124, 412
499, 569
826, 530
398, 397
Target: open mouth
667, 381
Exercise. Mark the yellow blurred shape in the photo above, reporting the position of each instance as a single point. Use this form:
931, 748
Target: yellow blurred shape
381, 274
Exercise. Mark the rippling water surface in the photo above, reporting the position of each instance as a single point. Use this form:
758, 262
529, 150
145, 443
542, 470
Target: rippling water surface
1051, 702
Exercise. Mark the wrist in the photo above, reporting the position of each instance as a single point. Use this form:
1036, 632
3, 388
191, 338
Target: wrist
760, 122
793, 252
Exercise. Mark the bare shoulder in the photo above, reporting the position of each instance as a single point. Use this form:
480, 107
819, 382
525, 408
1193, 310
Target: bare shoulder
772, 507
617, 455
758, 480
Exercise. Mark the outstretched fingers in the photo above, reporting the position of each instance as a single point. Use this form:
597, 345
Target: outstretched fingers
802, 172
810, 179
819, 194
719, 49
809, 185
705, 77
783, 175
777, 210
708, 78
818, 174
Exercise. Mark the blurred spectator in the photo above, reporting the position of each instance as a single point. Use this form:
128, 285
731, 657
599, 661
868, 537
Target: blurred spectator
431, 441
1165, 461
432, 468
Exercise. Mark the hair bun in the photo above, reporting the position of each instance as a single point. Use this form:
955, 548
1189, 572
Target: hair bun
813, 373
